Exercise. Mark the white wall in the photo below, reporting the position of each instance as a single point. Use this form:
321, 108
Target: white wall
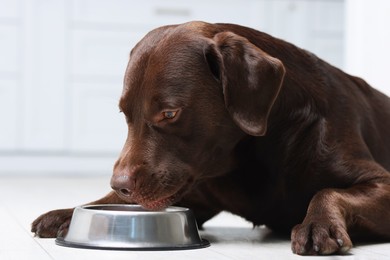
62, 65
368, 41
61, 74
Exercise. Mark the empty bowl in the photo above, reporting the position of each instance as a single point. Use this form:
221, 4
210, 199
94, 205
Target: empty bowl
131, 227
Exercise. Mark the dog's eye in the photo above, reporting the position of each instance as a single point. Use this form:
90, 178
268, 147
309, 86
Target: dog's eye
169, 114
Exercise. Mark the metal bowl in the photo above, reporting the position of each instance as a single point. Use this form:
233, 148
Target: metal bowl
131, 227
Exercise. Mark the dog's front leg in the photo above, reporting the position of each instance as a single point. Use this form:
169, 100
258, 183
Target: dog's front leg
56, 222
361, 210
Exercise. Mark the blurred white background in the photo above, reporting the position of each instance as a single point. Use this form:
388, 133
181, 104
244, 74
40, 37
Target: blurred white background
62, 64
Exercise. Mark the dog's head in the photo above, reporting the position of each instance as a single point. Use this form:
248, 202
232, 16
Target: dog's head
191, 93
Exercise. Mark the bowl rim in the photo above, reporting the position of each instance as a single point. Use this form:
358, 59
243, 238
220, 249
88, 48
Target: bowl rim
137, 209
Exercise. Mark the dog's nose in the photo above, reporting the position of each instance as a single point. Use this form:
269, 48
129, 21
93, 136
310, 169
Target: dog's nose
124, 182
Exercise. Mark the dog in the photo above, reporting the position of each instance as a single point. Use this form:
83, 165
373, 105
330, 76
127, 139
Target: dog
222, 117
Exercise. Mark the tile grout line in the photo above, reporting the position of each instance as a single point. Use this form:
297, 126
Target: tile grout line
26, 231
220, 253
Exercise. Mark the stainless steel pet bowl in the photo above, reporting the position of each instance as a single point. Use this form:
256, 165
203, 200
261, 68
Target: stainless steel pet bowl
131, 227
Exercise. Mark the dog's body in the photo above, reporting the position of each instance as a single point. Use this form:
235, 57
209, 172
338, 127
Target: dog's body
223, 117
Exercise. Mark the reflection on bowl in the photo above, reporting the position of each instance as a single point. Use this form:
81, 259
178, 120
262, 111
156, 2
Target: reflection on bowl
131, 227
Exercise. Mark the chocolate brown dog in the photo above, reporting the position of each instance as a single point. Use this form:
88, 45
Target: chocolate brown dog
223, 117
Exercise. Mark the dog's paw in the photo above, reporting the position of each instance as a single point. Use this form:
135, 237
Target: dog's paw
319, 238
53, 223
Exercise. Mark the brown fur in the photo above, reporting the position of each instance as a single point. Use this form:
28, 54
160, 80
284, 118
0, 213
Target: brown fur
262, 129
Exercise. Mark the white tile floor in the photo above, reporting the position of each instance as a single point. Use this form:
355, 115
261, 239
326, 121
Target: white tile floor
22, 199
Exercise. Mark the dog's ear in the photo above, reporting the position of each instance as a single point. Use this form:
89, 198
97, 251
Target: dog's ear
251, 80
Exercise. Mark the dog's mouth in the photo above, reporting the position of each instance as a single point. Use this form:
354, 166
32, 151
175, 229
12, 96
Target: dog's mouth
156, 202
159, 204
